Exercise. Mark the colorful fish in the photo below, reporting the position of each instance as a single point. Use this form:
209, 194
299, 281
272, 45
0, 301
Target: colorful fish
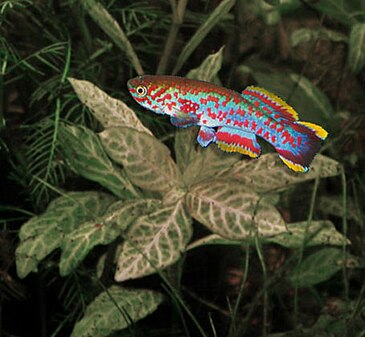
232, 120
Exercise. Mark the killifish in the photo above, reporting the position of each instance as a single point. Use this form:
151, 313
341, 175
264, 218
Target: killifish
230, 119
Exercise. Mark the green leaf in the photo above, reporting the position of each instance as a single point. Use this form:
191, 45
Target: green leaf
310, 102
44, 233
116, 309
318, 233
87, 157
214, 18
268, 173
111, 27
110, 112
233, 211
318, 267
185, 146
304, 35
208, 162
154, 242
209, 67
338, 10
356, 58
146, 160
119, 216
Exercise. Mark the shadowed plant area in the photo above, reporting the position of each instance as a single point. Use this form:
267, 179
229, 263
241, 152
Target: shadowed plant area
116, 223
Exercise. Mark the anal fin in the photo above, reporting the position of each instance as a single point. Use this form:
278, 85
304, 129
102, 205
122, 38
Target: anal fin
236, 140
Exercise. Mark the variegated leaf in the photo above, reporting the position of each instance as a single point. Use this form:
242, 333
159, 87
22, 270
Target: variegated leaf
233, 210
110, 112
44, 233
147, 161
333, 205
318, 233
154, 242
268, 173
208, 162
101, 231
116, 309
87, 157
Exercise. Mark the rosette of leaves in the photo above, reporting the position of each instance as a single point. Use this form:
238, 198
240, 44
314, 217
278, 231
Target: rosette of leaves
152, 202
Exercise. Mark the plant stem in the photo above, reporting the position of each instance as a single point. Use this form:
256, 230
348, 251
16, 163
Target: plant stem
178, 12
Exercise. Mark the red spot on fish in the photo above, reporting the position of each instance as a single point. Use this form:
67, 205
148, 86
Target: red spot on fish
259, 114
229, 121
299, 140
231, 112
246, 123
266, 135
203, 101
257, 103
237, 123
273, 139
259, 131
267, 122
253, 125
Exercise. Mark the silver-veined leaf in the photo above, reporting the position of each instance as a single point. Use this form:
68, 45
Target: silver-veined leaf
110, 112
101, 231
268, 173
116, 309
233, 210
298, 234
87, 157
146, 160
44, 233
154, 242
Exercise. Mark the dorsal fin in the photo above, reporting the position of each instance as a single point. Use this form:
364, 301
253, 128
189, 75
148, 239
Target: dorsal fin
270, 103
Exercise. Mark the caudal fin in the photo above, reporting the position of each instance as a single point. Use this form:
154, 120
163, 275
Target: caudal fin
298, 149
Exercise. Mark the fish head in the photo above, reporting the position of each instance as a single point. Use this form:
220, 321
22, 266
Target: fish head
141, 89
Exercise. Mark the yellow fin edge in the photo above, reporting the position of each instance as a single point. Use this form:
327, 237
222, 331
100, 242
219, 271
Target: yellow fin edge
319, 131
293, 166
234, 148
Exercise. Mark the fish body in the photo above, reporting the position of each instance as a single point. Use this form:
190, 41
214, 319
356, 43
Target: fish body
230, 119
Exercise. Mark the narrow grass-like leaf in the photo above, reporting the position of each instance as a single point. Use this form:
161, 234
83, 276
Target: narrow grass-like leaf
44, 233
110, 112
268, 173
146, 160
116, 309
356, 58
233, 210
154, 242
87, 157
318, 267
209, 67
214, 18
111, 27
101, 231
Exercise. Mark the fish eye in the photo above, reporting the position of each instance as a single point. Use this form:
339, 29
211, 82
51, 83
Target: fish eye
141, 90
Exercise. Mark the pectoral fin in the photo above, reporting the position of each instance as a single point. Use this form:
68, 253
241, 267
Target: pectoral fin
183, 122
236, 140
